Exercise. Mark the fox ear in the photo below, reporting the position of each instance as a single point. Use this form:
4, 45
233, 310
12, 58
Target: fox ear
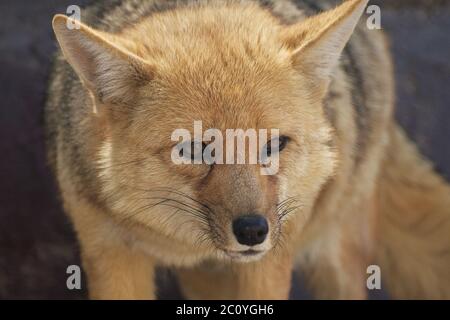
317, 42
105, 68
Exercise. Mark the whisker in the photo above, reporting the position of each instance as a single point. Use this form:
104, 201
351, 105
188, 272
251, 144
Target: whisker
122, 164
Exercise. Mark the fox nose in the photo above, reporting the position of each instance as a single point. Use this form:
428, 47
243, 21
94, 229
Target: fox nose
250, 230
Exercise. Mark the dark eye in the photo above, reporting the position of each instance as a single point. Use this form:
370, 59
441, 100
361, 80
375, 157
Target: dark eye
279, 142
196, 151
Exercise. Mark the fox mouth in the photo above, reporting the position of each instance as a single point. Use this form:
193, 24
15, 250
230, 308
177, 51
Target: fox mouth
249, 254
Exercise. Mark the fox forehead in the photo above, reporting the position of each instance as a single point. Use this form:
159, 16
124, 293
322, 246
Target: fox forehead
218, 66
199, 33
272, 101
207, 48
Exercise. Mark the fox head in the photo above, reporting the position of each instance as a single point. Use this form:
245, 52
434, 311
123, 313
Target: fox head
230, 66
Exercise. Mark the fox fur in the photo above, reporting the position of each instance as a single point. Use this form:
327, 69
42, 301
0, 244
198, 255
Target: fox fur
351, 191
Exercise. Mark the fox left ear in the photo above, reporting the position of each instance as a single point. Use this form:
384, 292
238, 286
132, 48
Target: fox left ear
317, 42
105, 67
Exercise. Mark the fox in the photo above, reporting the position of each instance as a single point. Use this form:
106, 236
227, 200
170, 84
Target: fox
351, 189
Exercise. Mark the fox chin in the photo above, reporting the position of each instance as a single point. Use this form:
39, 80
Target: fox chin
348, 184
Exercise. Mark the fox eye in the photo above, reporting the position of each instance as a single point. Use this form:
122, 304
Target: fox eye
276, 143
194, 150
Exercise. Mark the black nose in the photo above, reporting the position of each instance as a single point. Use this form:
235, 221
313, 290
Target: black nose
251, 229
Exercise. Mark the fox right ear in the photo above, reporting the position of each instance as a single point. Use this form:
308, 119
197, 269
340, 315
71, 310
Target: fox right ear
105, 68
317, 43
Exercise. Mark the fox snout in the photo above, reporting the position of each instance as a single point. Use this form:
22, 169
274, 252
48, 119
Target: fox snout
244, 211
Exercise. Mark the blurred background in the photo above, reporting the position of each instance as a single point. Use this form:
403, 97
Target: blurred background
37, 242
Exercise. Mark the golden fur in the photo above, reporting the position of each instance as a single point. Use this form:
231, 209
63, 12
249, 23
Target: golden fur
238, 65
